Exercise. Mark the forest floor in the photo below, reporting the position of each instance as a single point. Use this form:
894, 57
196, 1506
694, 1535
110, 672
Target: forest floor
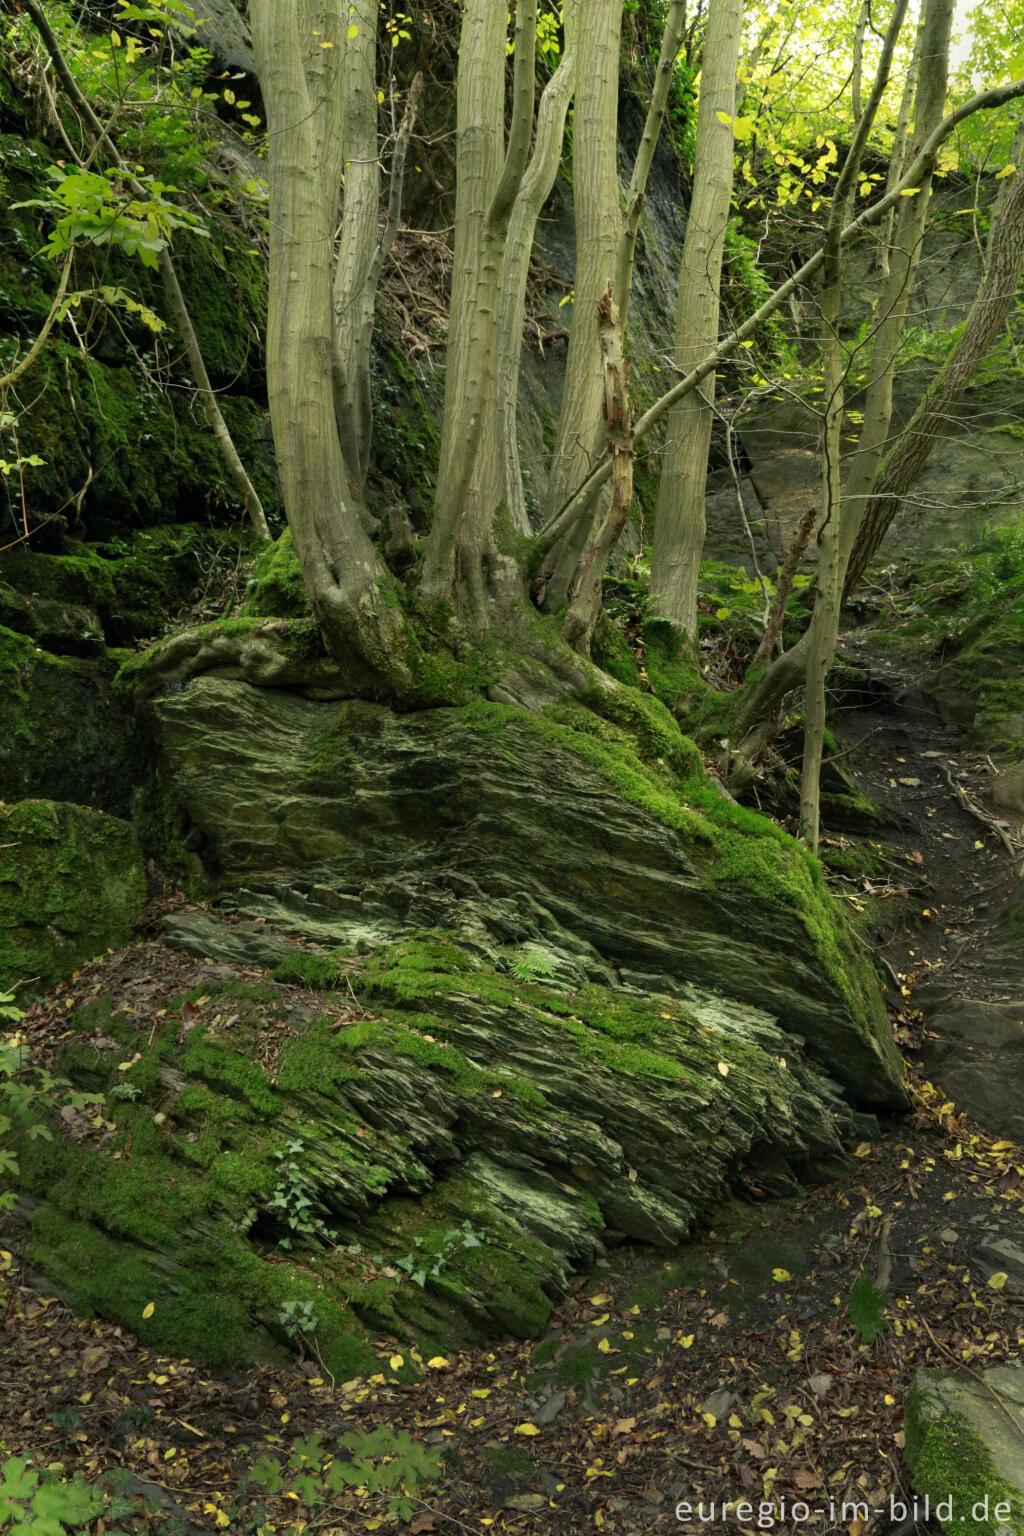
758, 1365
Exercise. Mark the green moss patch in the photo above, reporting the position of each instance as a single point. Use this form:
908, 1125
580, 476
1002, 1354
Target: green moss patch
71, 881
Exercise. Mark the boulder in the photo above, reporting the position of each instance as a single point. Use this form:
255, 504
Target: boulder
978, 1057
964, 1436
428, 1152
71, 881
352, 823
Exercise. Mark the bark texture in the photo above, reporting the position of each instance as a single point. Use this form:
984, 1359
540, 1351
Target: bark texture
340, 568
579, 438
679, 521
585, 591
536, 186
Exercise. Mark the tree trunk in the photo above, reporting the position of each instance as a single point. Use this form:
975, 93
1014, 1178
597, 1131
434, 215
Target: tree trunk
339, 565
579, 437
469, 483
992, 305
353, 294
679, 520
515, 263
585, 591
893, 301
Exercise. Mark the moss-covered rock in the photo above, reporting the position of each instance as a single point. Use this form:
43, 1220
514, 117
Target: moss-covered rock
600, 836
65, 734
117, 446
71, 881
434, 1166
964, 1449
274, 589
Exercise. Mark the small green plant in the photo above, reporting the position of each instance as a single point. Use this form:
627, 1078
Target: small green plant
36, 1504
298, 1319
864, 1309
532, 962
435, 1253
389, 1465
98, 210
291, 1200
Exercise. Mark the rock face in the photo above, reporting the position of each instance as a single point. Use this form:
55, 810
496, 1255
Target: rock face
350, 822
71, 880
978, 1057
66, 736
964, 1436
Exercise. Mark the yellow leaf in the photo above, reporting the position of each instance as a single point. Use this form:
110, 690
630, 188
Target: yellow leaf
149, 1309
908, 192
396, 1362
686, 1341
353, 30
605, 1348
723, 1068
222, 1518
526, 1429
724, 119
709, 1420
438, 1363
480, 1392
781, 1274
326, 45
1007, 170
998, 1280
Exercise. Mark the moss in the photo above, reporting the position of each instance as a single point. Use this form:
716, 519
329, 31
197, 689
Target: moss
221, 1065
316, 971
616, 1032
274, 589
71, 881
509, 1461
99, 419
653, 766
319, 1059
610, 650
950, 1461
672, 666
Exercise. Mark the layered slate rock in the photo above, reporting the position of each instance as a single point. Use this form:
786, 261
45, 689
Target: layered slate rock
430, 1151
536, 988
71, 881
350, 823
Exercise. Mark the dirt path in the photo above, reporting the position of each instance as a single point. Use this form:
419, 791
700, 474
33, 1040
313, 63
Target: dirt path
909, 761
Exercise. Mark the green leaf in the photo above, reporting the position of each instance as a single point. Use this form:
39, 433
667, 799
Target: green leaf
864, 1309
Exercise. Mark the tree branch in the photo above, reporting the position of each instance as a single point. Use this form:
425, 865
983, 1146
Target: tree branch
175, 297
917, 172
